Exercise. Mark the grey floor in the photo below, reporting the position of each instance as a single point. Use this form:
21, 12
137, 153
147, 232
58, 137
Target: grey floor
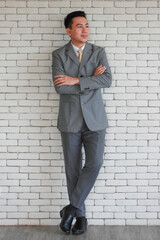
93, 233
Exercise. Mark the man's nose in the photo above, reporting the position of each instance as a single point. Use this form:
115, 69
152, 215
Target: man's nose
84, 29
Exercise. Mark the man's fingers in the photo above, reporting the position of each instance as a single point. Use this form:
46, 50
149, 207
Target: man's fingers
100, 70
99, 73
99, 66
58, 80
58, 76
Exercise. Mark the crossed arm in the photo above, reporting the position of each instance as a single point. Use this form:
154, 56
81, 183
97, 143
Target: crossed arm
67, 80
65, 84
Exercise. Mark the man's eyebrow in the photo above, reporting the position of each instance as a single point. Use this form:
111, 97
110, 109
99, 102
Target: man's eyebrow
80, 24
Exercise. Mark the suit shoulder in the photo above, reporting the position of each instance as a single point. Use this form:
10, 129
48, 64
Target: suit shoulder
59, 51
96, 47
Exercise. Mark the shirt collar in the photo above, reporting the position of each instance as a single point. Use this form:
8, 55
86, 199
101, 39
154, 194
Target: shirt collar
76, 48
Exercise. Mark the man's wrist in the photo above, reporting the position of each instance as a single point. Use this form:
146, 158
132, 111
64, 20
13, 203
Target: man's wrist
76, 80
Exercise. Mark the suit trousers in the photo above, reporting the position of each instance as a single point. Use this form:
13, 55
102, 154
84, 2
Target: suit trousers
80, 179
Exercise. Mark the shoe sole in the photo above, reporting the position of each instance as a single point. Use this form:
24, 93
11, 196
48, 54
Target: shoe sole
67, 233
74, 233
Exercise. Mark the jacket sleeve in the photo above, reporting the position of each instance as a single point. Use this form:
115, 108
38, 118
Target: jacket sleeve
100, 81
57, 69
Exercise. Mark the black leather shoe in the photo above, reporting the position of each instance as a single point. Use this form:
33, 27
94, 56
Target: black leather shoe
80, 226
66, 221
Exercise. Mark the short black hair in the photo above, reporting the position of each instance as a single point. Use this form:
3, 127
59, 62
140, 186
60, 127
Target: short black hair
68, 19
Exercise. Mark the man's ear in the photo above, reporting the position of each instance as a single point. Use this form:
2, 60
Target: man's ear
68, 31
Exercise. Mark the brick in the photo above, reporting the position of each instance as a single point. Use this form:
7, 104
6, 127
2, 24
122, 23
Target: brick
18, 215
146, 4
153, 222
103, 215
39, 215
37, 4
114, 10
93, 10
10, 3
82, 4
28, 221
8, 221
136, 10
146, 17
7, 10
136, 222
27, 24
103, 17
114, 222
124, 17
19, 17
136, 209
51, 10
125, 215
21, 30
27, 10
58, 4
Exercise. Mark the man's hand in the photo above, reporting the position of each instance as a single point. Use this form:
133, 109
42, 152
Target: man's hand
65, 80
99, 70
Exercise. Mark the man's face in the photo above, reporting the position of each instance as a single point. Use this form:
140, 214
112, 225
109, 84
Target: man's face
79, 32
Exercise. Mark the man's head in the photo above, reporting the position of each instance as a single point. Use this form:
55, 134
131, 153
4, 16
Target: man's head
69, 18
77, 27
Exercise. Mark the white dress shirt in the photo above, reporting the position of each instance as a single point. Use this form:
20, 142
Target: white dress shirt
76, 48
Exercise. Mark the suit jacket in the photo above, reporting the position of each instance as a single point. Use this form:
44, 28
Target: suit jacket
84, 100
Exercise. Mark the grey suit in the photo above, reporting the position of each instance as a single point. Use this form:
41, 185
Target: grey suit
82, 118
84, 100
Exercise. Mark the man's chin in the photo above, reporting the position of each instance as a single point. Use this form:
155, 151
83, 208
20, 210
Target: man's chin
84, 40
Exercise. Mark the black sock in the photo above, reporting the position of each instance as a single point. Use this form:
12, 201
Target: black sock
83, 217
71, 209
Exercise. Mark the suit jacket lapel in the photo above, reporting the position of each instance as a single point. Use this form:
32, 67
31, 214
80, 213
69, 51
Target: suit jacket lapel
86, 55
71, 53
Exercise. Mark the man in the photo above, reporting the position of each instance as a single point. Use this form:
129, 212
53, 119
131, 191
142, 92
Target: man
80, 70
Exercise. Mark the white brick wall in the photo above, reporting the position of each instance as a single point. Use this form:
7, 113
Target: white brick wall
32, 179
